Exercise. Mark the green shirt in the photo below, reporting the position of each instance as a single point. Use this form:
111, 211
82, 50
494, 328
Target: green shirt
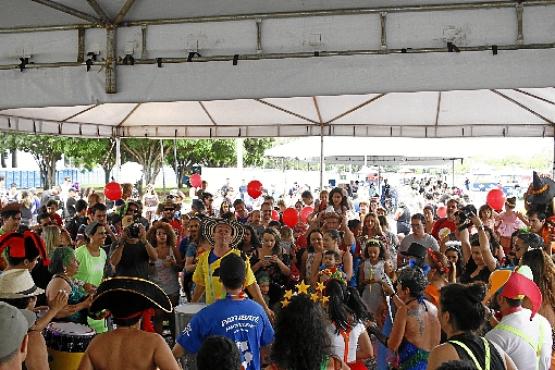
91, 269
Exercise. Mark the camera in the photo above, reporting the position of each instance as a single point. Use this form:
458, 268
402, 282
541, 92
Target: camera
134, 229
463, 216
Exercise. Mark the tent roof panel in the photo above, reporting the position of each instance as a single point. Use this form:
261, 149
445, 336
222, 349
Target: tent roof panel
248, 112
171, 113
48, 113
396, 109
105, 114
459, 107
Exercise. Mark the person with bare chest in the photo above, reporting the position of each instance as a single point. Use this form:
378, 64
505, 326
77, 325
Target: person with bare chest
127, 347
416, 328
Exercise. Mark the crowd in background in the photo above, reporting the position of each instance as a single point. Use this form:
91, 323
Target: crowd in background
406, 286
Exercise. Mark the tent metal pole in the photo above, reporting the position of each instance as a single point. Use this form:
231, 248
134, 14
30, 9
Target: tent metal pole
276, 56
175, 157
118, 157
340, 12
453, 172
162, 165
313, 13
68, 10
321, 157
553, 171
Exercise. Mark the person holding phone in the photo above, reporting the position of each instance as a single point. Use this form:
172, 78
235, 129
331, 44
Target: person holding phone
271, 259
163, 271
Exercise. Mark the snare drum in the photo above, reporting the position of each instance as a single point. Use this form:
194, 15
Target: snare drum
67, 342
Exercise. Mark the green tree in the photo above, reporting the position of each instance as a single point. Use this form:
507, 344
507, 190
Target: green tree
214, 153
254, 151
147, 153
205, 152
89, 153
46, 150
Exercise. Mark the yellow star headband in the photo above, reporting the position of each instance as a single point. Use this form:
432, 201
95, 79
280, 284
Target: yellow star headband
302, 288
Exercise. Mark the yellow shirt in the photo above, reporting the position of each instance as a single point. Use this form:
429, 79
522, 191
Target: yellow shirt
214, 288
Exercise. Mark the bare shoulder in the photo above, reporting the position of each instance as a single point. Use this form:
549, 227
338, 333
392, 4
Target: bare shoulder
440, 354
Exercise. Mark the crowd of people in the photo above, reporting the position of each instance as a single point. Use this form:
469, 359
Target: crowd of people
340, 288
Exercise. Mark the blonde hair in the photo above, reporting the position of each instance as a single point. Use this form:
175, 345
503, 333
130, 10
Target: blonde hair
51, 237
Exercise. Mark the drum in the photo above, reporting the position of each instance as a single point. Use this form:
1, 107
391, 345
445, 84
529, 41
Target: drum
183, 314
67, 342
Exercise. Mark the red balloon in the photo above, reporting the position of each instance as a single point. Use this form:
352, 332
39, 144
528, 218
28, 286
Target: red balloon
305, 212
275, 215
290, 217
442, 211
195, 180
254, 189
496, 199
113, 191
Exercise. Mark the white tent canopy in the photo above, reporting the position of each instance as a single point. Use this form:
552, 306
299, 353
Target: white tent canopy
247, 68
406, 151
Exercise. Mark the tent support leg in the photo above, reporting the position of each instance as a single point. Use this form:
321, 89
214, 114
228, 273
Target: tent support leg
162, 165
452, 172
321, 157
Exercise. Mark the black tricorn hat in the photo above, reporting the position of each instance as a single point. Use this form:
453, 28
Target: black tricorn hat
124, 296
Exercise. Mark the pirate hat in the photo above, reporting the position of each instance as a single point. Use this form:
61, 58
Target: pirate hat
126, 296
209, 228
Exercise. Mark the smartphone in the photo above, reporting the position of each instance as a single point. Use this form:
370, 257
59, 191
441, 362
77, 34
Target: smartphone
268, 258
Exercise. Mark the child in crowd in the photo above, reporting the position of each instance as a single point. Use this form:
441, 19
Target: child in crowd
263, 280
329, 269
287, 240
372, 274
52, 209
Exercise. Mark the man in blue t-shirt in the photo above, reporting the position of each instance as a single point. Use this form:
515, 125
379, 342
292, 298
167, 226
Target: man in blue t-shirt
236, 317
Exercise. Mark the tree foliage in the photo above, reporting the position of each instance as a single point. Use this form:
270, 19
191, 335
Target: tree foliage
147, 153
213, 153
254, 151
88, 153
46, 150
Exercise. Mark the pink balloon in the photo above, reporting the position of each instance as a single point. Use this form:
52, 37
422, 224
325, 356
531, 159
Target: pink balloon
275, 215
195, 180
442, 211
305, 212
113, 191
290, 217
496, 199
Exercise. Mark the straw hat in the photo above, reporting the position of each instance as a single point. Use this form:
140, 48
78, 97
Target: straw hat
18, 283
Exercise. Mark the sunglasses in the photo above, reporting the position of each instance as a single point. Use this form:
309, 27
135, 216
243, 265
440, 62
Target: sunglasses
169, 209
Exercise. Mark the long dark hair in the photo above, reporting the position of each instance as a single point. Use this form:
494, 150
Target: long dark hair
255, 242
309, 246
345, 308
301, 341
344, 202
464, 304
